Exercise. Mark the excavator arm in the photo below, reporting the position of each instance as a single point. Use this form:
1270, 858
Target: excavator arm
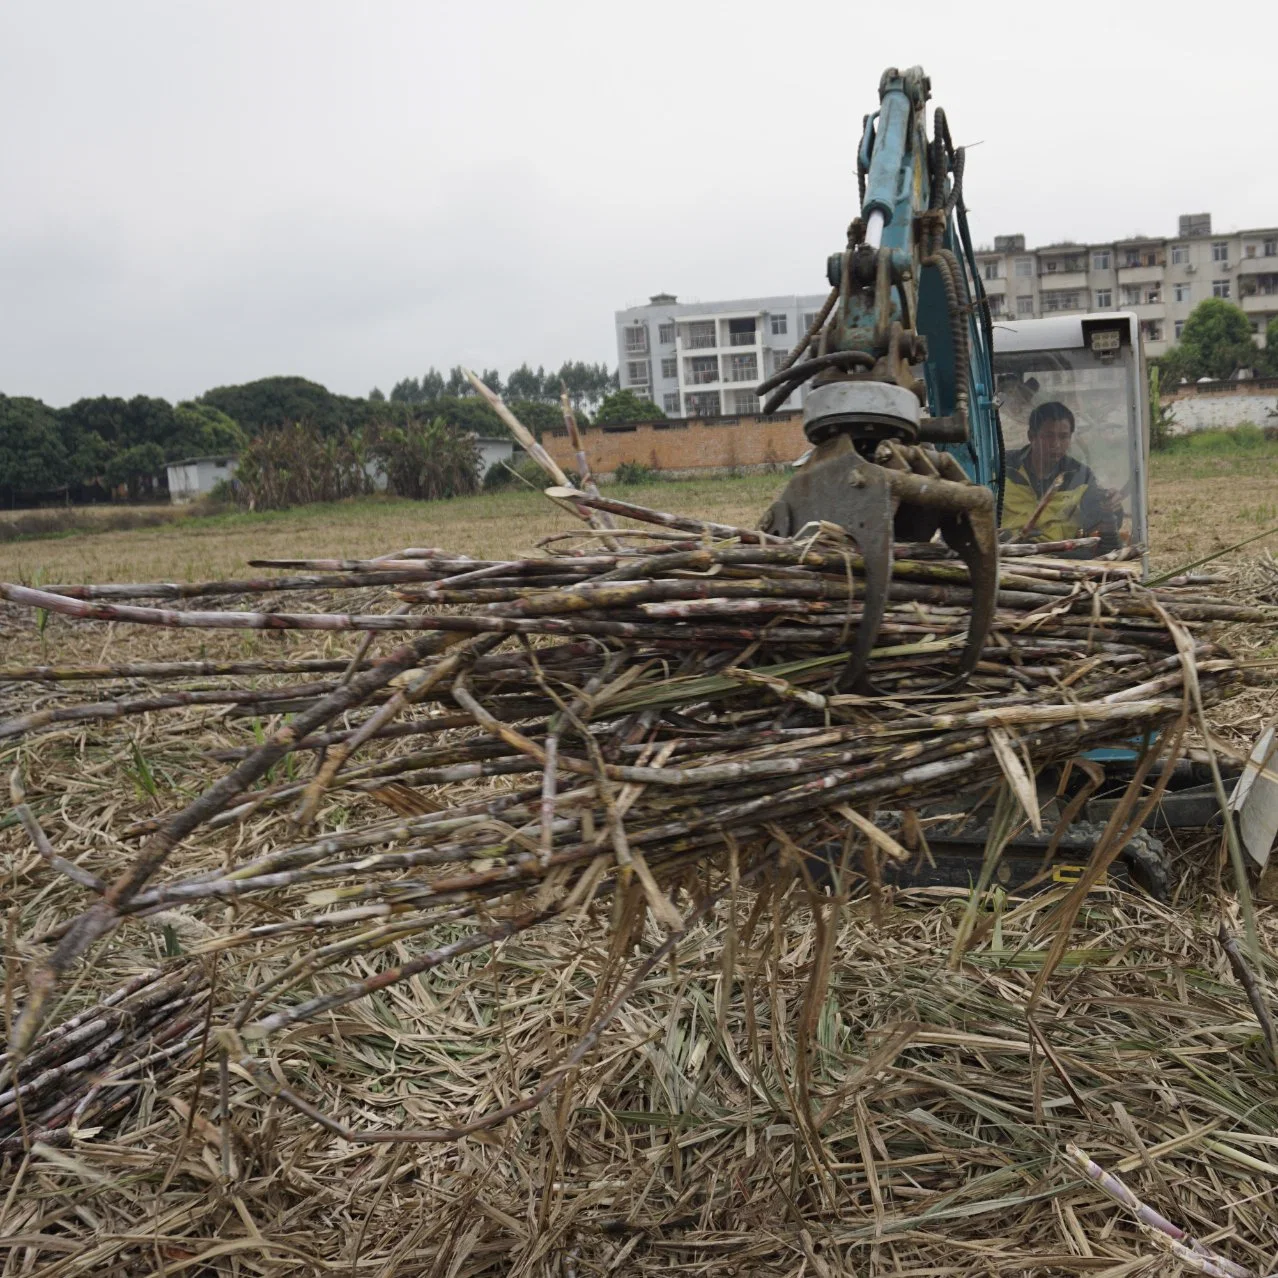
900, 406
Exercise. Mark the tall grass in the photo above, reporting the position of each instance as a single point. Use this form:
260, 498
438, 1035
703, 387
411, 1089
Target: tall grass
1244, 438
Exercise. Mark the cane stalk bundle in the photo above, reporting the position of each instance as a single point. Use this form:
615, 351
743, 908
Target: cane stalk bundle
650, 718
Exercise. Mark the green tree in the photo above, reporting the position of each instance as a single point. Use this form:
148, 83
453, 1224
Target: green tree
1269, 356
200, 430
376, 396
1215, 342
469, 413
626, 406
138, 468
274, 401
33, 458
524, 384
537, 415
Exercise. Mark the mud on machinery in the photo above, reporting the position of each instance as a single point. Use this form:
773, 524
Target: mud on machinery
905, 379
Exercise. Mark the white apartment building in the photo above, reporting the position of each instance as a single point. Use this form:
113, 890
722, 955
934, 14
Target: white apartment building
1161, 279
704, 359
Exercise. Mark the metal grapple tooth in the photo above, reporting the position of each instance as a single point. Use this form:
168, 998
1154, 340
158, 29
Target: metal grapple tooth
973, 535
869, 514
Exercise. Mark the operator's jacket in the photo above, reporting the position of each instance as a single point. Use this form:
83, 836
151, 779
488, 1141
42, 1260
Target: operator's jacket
1076, 509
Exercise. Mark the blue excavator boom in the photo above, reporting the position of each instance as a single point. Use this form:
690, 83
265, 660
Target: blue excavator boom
900, 405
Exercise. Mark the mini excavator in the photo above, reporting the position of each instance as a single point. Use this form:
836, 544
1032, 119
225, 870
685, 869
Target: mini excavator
909, 391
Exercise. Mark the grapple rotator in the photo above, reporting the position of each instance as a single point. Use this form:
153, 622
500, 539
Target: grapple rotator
900, 411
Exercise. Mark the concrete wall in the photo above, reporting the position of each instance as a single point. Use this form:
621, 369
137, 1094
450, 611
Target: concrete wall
683, 445
1224, 405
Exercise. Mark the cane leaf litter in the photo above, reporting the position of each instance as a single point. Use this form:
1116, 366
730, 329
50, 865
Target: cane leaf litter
445, 915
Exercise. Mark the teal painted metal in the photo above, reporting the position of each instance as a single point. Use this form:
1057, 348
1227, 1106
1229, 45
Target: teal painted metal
899, 162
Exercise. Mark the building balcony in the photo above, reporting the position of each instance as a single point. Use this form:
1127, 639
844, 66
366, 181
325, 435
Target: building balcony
1140, 274
1259, 302
1260, 265
1057, 280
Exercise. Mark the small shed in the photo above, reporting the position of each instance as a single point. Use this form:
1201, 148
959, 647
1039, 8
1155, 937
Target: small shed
493, 449
196, 477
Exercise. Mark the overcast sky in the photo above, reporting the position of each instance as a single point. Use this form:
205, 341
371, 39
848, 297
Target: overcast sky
197, 193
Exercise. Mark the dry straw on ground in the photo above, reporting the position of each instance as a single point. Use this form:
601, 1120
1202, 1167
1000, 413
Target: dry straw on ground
715, 1065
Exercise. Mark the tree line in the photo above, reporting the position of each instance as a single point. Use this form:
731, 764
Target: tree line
110, 448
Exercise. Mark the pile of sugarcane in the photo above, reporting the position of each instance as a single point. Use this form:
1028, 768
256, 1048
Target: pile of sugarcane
648, 716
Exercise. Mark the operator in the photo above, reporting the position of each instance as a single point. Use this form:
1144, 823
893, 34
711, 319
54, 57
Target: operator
1077, 507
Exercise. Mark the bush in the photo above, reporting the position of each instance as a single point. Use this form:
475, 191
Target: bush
1243, 438
505, 475
428, 460
34, 524
293, 465
635, 473
626, 406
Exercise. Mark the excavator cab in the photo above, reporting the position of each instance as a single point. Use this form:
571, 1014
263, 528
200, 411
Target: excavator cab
1094, 366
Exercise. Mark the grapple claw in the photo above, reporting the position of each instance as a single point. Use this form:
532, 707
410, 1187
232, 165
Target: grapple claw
911, 495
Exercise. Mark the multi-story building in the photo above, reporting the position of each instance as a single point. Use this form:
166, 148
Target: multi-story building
705, 359
1161, 279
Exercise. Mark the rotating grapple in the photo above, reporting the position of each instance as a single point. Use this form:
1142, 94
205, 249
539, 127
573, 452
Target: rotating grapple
900, 410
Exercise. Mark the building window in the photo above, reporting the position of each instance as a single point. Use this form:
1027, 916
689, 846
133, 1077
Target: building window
1180, 254
778, 326
1025, 267
1050, 266
990, 269
666, 334
1153, 294
670, 367
1131, 258
1131, 295
1025, 306
703, 403
1271, 248
1220, 288
703, 369
637, 372
637, 340
701, 335
1249, 250
1100, 261
1220, 252
741, 332
808, 320
1060, 302
1152, 330
742, 368
1104, 297
745, 402
671, 404
1180, 328
1181, 292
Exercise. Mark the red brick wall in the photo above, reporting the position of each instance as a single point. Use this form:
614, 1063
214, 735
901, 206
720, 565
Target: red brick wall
683, 444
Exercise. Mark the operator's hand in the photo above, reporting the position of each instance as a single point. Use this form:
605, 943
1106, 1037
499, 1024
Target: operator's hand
1112, 501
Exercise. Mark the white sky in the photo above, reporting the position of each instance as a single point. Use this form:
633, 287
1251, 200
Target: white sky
199, 192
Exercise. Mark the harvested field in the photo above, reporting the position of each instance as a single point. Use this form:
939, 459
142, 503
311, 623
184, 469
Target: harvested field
1199, 503
803, 1083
